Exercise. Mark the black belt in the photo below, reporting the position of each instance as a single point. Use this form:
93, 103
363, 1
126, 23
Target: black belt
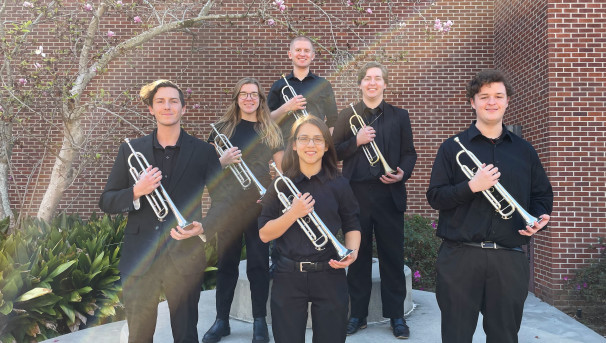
487, 245
289, 264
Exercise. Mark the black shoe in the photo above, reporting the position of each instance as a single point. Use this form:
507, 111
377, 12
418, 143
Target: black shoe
260, 333
219, 330
355, 324
400, 329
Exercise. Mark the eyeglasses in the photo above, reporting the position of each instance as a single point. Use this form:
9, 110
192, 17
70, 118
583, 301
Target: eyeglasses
244, 95
304, 140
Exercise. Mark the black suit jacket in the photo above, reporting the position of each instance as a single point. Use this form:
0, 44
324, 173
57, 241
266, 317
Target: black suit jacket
146, 238
399, 150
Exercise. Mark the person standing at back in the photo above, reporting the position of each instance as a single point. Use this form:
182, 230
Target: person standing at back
314, 93
381, 194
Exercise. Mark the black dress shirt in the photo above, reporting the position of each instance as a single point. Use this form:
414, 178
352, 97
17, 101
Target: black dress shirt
317, 91
335, 205
469, 217
166, 157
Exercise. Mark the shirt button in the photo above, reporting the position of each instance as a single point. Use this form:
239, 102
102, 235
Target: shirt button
157, 228
167, 157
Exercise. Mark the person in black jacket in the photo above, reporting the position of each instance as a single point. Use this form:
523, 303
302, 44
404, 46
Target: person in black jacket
314, 93
481, 266
381, 194
159, 255
310, 272
256, 140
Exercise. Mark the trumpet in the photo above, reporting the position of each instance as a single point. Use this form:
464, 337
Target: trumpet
324, 236
511, 204
371, 150
303, 112
159, 200
240, 170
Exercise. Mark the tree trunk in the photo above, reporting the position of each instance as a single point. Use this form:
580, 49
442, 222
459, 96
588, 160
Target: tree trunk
63, 172
6, 149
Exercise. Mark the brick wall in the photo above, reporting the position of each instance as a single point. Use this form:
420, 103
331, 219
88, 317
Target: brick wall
555, 52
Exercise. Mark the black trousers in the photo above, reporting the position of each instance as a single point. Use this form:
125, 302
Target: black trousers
290, 294
378, 216
472, 280
141, 296
243, 221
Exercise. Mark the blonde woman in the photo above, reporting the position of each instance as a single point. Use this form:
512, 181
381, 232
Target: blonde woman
256, 140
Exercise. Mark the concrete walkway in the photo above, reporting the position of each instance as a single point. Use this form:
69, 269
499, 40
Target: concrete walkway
541, 323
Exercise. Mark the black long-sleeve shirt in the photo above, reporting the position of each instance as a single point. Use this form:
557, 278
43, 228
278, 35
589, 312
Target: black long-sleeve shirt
317, 91
469, 217
335, 205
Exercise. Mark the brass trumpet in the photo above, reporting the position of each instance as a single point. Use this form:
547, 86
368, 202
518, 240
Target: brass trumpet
159, 200
240, 170
303, 112
371, 150
512, 204
325, 236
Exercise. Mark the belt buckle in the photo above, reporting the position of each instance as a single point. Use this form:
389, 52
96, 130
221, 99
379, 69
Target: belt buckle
301, 264
488, 245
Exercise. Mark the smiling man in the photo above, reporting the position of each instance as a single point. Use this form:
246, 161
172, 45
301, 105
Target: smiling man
314, 93
158, 255
481, 266
381, 194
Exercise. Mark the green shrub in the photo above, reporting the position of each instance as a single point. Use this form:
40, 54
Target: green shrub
55, 278
421, 250
589, 283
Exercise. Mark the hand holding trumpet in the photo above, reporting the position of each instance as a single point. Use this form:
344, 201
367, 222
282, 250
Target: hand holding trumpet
148, 181
229, 156
486, 177
365, 135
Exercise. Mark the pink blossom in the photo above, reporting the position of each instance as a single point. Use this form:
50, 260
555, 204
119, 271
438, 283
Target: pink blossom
438, 25
271, 22
28, 4
417, 276
369, 11
22, 81
584, 284
280, 4
37, 65
110, 33
40, 52
137, 19
578, 287
434, 225
88, 7
119, 3
1, 109
188, 91
565, 278
196, 106
349, 3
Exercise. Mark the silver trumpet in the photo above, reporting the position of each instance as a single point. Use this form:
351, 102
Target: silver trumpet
371, 150
158, 199
319, 241
511, 204
240, 170
299, 113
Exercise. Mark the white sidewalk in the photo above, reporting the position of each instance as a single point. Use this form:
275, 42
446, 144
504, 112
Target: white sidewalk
541, 323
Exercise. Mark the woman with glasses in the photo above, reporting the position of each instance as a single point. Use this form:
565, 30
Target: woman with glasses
256, 140
303, 273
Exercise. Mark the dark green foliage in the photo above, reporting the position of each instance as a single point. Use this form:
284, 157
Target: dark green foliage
55, 278
421, 250
589, 283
